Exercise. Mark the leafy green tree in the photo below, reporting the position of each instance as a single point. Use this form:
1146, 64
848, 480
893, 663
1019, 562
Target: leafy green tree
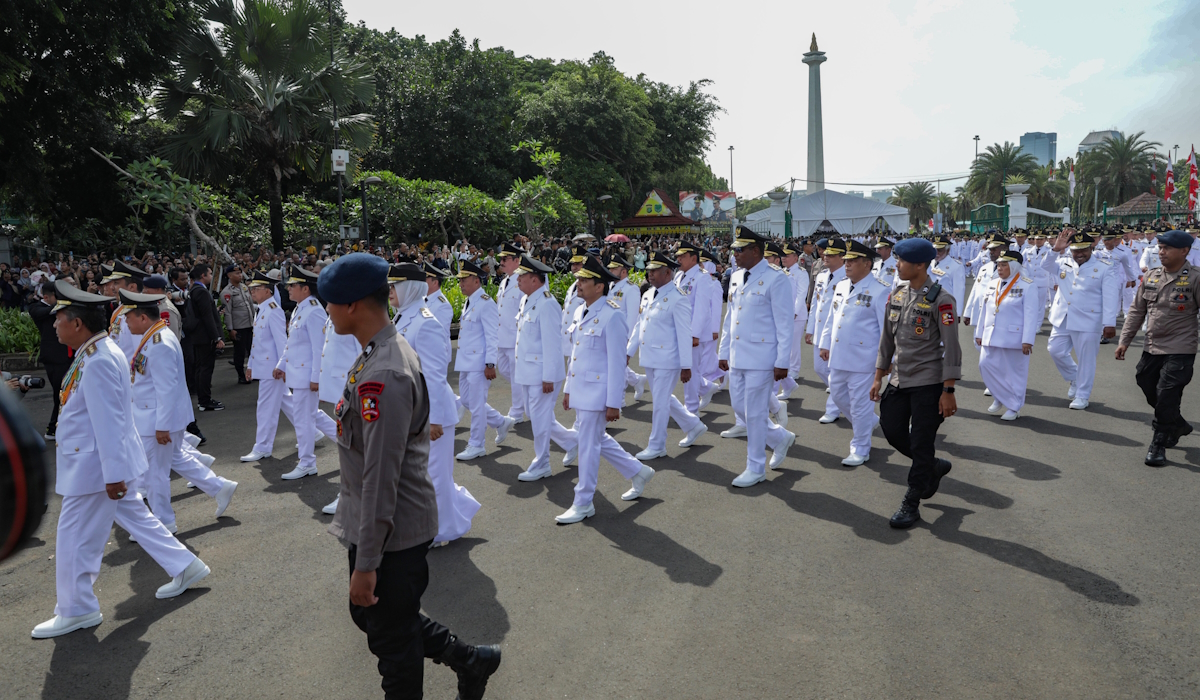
263, 84
996, 163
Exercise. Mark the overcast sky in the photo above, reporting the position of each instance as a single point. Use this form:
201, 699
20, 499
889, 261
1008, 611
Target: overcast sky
907, 83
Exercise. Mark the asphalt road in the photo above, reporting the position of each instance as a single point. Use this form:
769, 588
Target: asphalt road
1051, 564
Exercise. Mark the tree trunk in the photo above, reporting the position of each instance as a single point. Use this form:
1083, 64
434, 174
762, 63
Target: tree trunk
275, 198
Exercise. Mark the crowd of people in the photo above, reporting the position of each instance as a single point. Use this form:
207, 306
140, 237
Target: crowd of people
368, 333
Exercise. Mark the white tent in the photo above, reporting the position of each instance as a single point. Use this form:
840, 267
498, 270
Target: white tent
848, 214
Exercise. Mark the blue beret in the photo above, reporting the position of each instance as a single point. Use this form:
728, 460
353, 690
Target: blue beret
915, 250
1176, 239
822, 242
155, 282
352, 277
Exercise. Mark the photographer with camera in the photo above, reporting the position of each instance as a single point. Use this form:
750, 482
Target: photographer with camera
54, 355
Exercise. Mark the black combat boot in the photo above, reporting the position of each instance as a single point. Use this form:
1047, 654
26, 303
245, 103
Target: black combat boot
940, 468
474, 665
1182, 431
1156, 456
909, 513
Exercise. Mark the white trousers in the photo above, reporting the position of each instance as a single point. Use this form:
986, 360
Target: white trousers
1126, 299
456, 506
1086, 346
822, 369
473, 388
749, 390
162, 459
1043, 292
709, 365
272, 397
666, 406
506, 364
305, 407
631, 377
851, 393
545, 426
698, 385
325, 424
1006, 372
739, 414
595, 443
84, 526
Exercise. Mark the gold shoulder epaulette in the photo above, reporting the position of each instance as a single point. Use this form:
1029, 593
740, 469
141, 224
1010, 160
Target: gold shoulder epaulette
613, 304
486, 297
313, 302
158, 337
271, 304
426, 312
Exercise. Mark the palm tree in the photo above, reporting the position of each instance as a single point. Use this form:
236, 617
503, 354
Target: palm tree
993, 165
1044, 194
1125, 164
255, 76
918, 198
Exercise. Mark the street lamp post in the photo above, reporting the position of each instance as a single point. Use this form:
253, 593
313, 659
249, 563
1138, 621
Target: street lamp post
603, 215
731, 183
1096, 199
372, 180
977, 147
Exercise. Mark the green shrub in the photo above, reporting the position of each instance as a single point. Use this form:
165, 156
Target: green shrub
18, 333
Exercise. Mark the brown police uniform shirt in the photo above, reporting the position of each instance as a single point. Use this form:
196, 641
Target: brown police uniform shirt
387, 500
1167, 301
922, 334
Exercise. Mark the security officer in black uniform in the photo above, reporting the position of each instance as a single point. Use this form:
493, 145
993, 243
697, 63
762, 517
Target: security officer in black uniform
920, 331
387, 511
1168, 302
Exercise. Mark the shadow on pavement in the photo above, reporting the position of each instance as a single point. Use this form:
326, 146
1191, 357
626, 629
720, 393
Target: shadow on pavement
975, 495
462, 597
1021, 467
862, 522
681, 564
315, 491
1045, 427
1081, 581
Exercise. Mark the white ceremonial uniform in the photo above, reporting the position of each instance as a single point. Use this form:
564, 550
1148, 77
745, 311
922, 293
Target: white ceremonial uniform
570, 303
694, 286
161, 402
1149, 259
1085, 303
119, 333
509, 306
983, 277
1127, 269
662, 341
1041, 266
442, 310
270, 339
338, 353
949, 273
539, 360
97, 444
756, 339
818, 316
629, 296
885, 272
595, 382
852, 338
301, 364
477, 328
708, 344
1011, 315
798, 276
420, 328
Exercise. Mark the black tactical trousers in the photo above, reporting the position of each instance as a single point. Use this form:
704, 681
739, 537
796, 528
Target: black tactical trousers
1162, 379
397, 633
909, 418
241, 350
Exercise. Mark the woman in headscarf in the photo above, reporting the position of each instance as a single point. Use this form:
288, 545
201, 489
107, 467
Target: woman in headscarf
1008, 325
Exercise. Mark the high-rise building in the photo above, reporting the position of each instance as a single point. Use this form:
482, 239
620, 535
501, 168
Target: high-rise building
881, 195
854, 193
1042, 146
1094, 139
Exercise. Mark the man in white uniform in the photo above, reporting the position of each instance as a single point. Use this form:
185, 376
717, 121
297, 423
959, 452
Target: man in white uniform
756, 348
270, 339
662, 341
884, 267
509, 305
1084, 310
476, 361
822, 300
945, 270
98, 461
799, 279
338, 354
629, 296
1114, 251
695, 283
300, 367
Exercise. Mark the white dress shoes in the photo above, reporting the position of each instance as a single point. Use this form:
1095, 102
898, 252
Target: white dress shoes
576, 514
1071, 391
987, 391
1079, 404
529, 475
781, 450
639, 484
829, 418
190, 485
502, 431
192, 440
318, 437
693, 435
185, 580
748, 478
224, 496
649, 454
332, 507
781, 417
523, 419
300, 472
705, 399
571, 456
639, 388
996, 407
470, 453
59, 625
734, 432
255, 456
1010, 415
855, 460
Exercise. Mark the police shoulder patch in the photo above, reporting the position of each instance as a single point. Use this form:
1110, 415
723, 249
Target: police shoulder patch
158, 337
426, 312
271, 304
613, 304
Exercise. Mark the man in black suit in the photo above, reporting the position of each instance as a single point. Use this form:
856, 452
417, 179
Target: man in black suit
203, 333
54, 354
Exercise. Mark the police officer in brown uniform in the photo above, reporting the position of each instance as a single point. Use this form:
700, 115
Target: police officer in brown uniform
387, 509
1168, 302
920, 331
